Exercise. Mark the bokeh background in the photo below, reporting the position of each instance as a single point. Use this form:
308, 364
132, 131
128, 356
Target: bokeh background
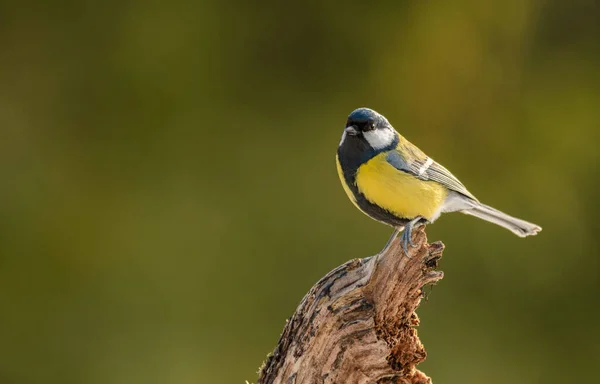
169, 191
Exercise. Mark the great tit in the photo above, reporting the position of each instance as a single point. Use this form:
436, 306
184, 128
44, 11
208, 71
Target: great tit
394, 182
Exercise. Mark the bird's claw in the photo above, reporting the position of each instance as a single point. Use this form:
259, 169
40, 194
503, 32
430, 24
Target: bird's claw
407, 235
407, 239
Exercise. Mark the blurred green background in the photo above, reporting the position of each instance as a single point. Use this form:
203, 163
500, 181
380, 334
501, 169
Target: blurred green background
169, 191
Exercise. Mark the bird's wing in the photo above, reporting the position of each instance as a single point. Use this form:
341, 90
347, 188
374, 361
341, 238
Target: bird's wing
416, 163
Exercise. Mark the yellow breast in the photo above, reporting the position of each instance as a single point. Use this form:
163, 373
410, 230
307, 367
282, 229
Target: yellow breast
398, 192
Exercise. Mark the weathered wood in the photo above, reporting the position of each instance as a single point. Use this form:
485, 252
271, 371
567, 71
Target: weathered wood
357, 324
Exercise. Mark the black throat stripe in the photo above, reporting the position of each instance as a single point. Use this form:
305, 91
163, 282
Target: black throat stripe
352, 154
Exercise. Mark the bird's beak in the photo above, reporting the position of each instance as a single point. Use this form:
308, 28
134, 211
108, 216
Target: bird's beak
351, 130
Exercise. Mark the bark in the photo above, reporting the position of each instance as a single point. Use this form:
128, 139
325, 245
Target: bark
357, 324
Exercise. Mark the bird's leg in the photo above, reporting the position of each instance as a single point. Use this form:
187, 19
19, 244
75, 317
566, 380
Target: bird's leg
407, 235
389, 242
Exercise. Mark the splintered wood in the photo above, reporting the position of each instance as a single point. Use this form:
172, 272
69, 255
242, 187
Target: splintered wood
357, 324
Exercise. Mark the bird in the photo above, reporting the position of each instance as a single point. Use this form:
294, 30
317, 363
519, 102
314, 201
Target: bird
392, 181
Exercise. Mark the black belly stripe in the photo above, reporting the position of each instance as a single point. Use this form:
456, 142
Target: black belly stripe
353, 155
378, 213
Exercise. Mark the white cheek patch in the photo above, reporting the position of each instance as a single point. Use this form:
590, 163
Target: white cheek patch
380, 138
343, 138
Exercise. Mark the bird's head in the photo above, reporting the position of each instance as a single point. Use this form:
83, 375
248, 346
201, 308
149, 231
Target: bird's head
367, 129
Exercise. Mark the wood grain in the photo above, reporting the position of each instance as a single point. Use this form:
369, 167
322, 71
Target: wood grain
357, 324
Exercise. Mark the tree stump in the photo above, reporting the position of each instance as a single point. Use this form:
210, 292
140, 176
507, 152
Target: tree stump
357, 324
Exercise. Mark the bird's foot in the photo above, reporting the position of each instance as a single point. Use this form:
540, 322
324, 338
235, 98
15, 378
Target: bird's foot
407, 234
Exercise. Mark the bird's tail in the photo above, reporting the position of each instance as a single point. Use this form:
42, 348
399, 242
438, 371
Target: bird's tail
519, 227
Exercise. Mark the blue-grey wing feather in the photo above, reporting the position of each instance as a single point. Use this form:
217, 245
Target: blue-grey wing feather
435, 172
